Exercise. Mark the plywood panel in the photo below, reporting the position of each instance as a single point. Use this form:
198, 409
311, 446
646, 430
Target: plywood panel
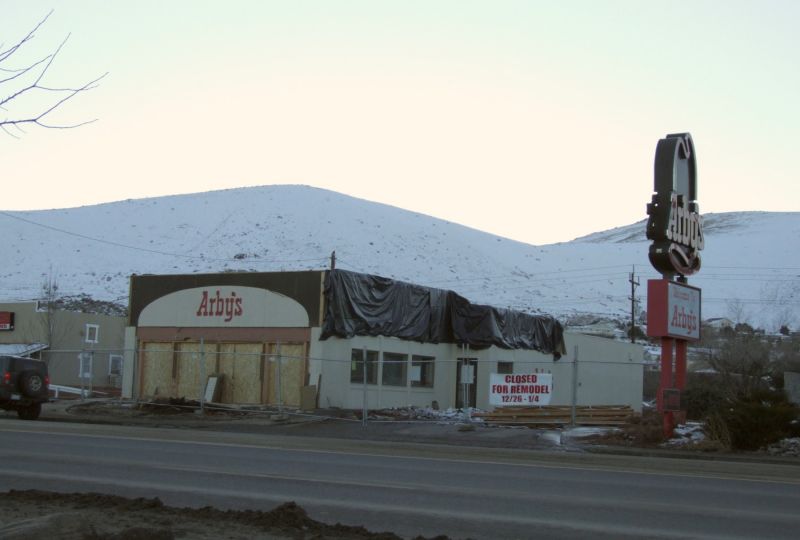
292, 373
188, 361
157, 358
191, 374
247, 372
227, 355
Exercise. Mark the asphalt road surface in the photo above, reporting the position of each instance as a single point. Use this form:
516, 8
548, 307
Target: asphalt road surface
411, 489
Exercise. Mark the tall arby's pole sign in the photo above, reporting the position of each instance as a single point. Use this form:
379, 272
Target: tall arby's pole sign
675, 227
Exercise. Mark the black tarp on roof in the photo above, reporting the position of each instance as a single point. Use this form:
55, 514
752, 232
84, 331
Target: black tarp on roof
367, 305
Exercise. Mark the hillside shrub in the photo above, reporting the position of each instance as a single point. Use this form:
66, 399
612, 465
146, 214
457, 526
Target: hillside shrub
746, 420
758, 420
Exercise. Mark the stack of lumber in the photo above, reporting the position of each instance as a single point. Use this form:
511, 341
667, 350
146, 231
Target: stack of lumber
585, 415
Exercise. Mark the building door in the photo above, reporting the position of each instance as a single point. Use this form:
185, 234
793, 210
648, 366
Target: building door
467, 382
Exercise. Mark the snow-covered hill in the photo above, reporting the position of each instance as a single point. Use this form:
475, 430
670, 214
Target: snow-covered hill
751, 264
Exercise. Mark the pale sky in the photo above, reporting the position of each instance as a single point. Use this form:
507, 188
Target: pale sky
534, 120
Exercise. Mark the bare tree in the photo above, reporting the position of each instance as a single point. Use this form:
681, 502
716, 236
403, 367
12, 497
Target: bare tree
743, 363
49, 305
27, 80
736, 310
781, 298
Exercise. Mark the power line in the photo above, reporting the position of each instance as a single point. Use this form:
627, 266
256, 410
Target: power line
148, 250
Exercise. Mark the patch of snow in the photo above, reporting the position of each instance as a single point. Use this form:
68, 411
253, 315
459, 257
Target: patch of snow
580, 432
687, 434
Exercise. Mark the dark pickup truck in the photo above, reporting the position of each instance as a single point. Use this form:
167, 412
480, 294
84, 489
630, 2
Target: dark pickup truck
23, 386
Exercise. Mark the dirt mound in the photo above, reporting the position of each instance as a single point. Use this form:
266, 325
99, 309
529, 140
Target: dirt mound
288, 520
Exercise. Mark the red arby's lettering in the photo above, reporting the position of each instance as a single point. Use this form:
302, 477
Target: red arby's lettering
681, 319
218, 306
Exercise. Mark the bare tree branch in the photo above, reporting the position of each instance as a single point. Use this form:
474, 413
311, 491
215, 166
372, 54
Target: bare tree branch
4, 128
37, 85
5, 54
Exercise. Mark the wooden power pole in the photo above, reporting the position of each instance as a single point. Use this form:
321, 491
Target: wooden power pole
634, 284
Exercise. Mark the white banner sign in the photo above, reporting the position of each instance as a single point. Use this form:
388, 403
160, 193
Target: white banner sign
521, 389
683, 311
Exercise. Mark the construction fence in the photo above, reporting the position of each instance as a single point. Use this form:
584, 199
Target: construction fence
282, 376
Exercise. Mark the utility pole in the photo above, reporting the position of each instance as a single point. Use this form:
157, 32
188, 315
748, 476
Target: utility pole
634, 284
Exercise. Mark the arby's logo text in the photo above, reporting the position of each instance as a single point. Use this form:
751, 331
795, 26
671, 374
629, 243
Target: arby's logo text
216, 305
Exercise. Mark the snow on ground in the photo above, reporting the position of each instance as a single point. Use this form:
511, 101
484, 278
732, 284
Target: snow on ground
750, 257
687, 434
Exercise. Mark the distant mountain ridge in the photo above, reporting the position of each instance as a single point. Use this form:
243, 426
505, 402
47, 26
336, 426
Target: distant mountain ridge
751, 264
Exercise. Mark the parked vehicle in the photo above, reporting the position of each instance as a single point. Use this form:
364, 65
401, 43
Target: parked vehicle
24, 386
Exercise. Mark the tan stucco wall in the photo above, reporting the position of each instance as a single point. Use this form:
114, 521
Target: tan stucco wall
68, 340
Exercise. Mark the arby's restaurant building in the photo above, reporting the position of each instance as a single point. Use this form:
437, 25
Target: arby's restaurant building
336, 338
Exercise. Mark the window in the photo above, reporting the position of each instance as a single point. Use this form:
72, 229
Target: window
505, 368
394, 369
85, 369
92, 334
357, 366
422, 371
6, 320
115, 364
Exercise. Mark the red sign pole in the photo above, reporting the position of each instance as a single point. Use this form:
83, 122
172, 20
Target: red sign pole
665, 383
681, 347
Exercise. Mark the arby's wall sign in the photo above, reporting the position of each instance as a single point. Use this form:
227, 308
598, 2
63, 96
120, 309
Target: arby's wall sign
224, 306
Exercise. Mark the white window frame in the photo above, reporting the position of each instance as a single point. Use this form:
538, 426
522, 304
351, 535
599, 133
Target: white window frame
420, 363
84, 359
92, 330
357, 367
115, 359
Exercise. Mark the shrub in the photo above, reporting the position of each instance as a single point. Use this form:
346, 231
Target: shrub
717, 430
645, 430
762, 419
700, 400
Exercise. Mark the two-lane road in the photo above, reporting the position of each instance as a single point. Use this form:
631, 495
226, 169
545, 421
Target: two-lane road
411, 489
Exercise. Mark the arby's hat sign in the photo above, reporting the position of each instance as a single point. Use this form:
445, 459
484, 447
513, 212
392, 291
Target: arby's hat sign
674, 224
